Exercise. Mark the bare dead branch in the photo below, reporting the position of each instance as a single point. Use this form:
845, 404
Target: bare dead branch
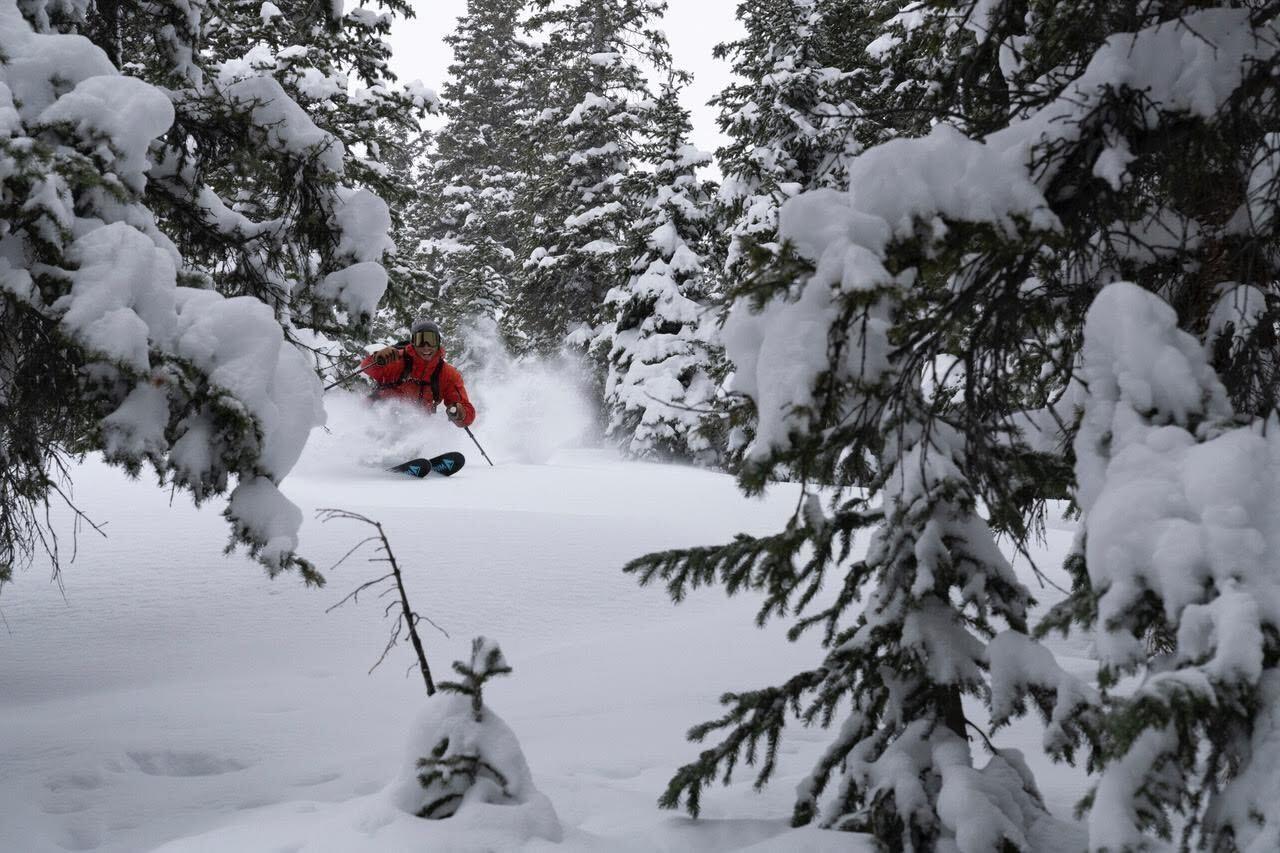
406, 620
354, 595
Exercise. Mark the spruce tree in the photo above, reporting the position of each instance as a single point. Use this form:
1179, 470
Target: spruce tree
478, 166
457, 762
935, 588
104, 347
411, 271
662, 350
970, 261
595, 105
269, 182
790, 116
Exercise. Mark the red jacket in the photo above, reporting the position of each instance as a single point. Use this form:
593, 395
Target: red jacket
409, 378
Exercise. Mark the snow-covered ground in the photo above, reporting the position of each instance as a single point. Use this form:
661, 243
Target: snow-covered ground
172, 697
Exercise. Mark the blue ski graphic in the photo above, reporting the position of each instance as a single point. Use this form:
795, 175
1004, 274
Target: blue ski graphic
446, 465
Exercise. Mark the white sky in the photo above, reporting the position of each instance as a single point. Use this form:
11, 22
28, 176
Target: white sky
692, 26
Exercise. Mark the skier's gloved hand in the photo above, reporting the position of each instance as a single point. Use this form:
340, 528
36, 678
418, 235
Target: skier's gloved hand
455, 413
386, 355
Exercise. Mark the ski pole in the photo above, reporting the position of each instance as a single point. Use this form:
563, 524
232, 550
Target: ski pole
478, 447
453, 410
352, 375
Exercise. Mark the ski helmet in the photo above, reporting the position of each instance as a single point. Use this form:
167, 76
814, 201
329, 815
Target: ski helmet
424, 332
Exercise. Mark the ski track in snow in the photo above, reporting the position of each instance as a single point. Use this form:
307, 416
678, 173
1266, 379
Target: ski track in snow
176, 697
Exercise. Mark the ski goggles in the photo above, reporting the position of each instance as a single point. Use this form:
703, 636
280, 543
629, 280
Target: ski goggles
426, 339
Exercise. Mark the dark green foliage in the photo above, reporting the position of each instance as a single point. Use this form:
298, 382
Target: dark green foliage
753, 716
486, 662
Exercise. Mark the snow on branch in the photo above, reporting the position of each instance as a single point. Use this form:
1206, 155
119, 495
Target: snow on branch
201, 387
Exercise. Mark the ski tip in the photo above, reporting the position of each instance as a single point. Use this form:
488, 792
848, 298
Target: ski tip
414, 468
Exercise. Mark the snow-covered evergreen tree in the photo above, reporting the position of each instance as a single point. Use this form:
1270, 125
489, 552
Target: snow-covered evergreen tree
663, 354
596, 103
935, 588
469, 758
268, 181
478, 165
411, 270
970, 261
456, 762
789, 116
104, 347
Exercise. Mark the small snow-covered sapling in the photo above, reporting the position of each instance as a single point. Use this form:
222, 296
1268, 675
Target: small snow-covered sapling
457, 761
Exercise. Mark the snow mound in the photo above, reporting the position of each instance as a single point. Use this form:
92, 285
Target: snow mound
517, 810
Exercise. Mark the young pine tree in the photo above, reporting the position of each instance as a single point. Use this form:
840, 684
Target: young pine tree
457, 762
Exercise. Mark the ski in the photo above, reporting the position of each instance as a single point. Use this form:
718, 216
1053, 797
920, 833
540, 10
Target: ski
446, 464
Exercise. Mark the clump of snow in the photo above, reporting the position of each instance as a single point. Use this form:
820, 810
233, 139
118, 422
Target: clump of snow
999, 806
287, 126
943, 174
364, 222
266, 519
136, 428
39, 68
119, 116
241, 347
357, 288
123, 294
1138, 361
1180, 511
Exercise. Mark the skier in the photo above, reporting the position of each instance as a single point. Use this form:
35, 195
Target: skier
416, 370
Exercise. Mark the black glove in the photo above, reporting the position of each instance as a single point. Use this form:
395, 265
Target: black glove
386, 355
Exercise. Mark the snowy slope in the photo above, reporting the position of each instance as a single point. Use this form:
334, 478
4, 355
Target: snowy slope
174, 696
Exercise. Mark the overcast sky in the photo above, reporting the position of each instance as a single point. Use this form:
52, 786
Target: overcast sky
692, 26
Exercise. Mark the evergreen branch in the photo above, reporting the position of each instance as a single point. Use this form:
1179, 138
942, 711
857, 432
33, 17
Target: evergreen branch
757, 714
